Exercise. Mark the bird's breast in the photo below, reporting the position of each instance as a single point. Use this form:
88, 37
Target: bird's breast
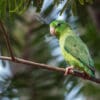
67, 56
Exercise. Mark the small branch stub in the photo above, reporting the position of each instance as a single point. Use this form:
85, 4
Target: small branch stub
7, 39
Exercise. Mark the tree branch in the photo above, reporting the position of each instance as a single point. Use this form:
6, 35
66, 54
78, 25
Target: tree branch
52, 68
7, 40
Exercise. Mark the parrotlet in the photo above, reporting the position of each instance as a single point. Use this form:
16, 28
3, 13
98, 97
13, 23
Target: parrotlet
74, 50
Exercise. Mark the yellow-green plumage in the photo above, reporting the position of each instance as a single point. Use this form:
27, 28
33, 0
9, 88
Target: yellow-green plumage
73, 49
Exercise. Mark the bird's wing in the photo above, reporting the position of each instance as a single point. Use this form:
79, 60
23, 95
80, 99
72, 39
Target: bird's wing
75, 46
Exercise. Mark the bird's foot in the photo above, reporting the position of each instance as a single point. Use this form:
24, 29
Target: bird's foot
68, 70
85, 76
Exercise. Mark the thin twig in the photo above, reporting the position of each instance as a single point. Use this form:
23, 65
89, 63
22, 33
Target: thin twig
7, 40
52, 68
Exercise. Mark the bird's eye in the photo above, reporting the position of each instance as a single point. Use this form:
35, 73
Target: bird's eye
59, 24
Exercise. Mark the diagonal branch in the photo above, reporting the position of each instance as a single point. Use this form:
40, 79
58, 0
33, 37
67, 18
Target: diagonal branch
7, 40
51, 68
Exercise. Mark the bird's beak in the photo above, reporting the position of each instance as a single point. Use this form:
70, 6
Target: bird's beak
52, 30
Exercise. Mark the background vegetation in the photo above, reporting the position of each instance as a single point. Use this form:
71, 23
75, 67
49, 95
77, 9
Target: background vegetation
27, 22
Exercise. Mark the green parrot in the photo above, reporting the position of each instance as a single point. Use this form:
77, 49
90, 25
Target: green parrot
73, 49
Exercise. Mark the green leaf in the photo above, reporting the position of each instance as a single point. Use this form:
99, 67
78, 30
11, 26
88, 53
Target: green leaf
81, 2
66, 6
56, 2
10, 7
38, 4
74, 8
90, 1
49, 9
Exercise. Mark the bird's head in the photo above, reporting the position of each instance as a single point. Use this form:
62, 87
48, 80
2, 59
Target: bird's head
57, 27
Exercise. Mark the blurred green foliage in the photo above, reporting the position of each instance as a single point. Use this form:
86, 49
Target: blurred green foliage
30, 39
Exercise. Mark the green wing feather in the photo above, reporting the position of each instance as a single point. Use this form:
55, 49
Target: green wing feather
75, 46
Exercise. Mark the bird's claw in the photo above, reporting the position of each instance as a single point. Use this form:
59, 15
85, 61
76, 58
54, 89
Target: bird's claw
85, 76
68, 70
